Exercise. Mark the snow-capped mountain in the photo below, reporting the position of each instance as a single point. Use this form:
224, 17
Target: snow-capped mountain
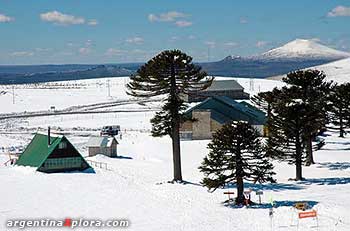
295, 55
304, 49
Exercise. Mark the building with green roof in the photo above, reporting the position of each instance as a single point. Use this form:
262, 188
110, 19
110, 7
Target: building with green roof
52, 153
209, 115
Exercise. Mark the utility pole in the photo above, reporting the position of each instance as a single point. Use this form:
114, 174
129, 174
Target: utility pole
251, 84
109, 90
13, 94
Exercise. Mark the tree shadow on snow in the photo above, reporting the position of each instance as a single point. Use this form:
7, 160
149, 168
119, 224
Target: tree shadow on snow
277, 204
271, 186
86, 171
122, 157
326, 181
338, 142
335, 166
345, 148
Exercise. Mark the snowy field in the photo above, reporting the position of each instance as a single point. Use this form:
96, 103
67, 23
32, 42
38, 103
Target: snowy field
136, 188
338, 71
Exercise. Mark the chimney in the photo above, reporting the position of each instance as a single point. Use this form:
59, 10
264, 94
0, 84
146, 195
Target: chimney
48, 137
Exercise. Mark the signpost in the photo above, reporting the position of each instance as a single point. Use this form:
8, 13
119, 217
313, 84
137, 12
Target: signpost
308, 214
259, 193
271, 217
229, 193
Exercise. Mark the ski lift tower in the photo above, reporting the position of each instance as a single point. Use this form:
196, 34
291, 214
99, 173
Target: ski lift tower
251, 84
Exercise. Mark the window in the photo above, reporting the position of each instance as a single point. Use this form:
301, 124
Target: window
62, 145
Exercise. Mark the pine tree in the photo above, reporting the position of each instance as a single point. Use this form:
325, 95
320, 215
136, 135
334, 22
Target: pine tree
291, 120
236, 154
172, 74
340, 107
265, 102
312, 90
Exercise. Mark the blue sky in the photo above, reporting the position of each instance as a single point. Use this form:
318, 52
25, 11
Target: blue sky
115, 31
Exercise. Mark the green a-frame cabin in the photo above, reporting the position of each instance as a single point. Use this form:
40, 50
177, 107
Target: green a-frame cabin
51, 154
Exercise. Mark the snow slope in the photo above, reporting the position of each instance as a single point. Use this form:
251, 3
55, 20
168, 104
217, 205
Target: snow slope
338, 71
304, 49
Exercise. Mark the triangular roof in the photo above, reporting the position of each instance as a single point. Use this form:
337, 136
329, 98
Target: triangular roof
38, 150
101, 141
224, 109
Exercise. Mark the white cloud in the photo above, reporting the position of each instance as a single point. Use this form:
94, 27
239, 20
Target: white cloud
152, 18
84, 50
183, 23
210, 44
166, 17
61, 19
92, 22
231, 44
22, 53
5, 18
174, 39
88, 43
172, 16
261, 43
243, 20
135, 40
114, 52
339, 11
39, 49
191, 37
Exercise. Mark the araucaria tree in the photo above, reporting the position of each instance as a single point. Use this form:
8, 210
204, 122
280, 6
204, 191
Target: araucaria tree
172, 74
339, 112
290, 120
265, 101
236, 154
312, 90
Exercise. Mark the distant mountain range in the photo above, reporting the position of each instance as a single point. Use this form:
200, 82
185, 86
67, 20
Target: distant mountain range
298, 54
50, 73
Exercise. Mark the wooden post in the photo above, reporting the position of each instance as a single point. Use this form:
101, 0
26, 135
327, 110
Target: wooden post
229, 193
259, 193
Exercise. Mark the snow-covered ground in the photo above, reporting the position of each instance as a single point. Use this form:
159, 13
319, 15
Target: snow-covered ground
137, 187
34, 97
338, 71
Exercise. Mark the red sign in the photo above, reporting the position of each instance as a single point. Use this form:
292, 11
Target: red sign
312, 213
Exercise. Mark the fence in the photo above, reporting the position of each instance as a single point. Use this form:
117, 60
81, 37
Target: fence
100, 165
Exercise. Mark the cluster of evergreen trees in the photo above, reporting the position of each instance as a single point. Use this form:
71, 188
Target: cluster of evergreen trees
299, 112
296, 114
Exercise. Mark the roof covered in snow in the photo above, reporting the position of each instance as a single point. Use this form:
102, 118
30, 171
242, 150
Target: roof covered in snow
101, 141
224, 109
222, 85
